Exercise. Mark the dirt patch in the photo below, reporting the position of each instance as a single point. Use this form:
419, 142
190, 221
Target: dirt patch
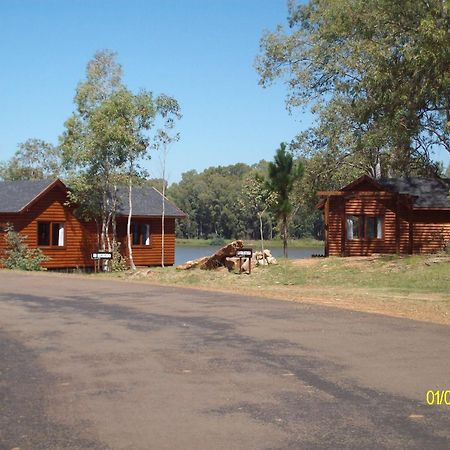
427, 307
416, 307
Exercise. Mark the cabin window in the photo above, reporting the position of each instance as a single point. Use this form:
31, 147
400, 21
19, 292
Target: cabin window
374, 228
44, 233
140, 233
354, 227
364, 227
135, 229
146, 234
50, 234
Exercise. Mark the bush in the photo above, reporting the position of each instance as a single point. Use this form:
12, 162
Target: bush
218, 240
118, 262
18, 255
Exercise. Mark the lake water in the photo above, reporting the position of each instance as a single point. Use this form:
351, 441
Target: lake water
183, 254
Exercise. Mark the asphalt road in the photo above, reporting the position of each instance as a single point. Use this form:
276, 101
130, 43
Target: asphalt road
88, 364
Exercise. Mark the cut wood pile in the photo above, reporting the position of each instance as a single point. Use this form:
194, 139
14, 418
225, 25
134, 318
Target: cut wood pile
225, 257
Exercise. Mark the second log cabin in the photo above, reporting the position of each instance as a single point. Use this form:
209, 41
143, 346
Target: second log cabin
393, 215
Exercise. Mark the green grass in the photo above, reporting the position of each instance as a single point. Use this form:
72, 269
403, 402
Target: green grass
408, 275
274, 243
403, 275
416, 287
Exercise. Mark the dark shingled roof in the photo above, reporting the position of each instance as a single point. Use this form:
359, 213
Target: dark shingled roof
430, 192
146, 201
15, 195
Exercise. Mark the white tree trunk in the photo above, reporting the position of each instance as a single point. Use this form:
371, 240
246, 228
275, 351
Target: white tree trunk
162, 228
163, 204
130, 206
261, 232
108, 240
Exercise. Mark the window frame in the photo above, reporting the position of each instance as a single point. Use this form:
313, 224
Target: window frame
142, 226
366, 227
363, 227
51, 224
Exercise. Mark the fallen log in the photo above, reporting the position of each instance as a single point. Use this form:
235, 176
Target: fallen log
219, 258
216, 260
192, 264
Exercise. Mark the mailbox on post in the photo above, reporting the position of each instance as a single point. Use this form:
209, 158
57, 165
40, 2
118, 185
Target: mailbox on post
98, 256
245, 253
101, 255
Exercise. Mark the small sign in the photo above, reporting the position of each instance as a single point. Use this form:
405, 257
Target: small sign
244, 253
101, 255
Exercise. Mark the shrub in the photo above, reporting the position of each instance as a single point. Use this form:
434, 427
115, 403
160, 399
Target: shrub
218, 240
118, 262
18, 255
447, 247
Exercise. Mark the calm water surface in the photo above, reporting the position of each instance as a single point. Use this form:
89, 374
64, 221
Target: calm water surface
183, 254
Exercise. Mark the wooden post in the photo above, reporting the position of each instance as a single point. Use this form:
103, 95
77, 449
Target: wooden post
397, 224
327, 220
343, 229
411, 227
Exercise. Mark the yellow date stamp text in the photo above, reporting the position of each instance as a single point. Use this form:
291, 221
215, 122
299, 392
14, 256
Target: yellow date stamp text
437, 397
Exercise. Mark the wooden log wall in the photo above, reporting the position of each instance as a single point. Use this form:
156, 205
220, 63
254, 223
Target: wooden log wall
395, 234
80, 238
404, 231
431, 230
150, 255
335, 226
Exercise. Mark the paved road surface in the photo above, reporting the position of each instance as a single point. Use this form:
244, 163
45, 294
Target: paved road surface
87, 364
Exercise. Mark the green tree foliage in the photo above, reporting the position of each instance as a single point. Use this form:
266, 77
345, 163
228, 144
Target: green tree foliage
257, 198
283, 174
186, 195
105, 139
91, 143
211, 200
17, 254
169, 111
377, 74
231, 197
34, 159
156, 183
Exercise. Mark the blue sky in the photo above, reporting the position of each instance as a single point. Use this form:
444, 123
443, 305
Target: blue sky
199, 51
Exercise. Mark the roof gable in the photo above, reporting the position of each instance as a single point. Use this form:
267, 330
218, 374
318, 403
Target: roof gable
15, 196
364, 183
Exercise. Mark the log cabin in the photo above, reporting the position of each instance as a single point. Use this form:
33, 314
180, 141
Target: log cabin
40, 211
392, 215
